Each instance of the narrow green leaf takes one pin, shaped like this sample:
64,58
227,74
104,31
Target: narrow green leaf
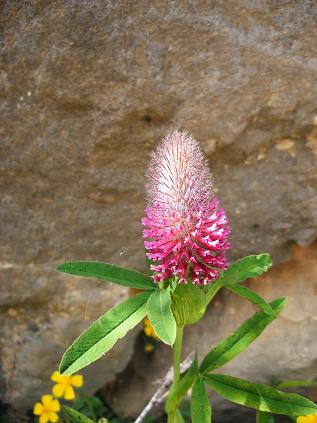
293,383
104,333
178,392
260,397
240,339
253,297
75,416
175,417
108,272
247,267
263,417
212,290
158,309
200,405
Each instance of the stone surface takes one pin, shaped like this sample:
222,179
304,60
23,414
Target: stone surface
287,349
41,313
88,89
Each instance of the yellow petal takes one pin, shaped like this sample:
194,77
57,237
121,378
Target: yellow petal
58,390
306,419
43,418
69,393
46,400
53,417
55,406
77,381
38,408
57,377
148,331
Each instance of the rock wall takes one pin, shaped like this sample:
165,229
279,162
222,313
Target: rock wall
89,88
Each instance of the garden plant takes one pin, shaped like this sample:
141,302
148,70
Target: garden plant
186,239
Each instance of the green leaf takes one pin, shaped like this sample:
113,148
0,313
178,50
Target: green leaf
212,290
178,392
188,304
158,309
260,397
247,267
293,383
240,339
104,333
108,272
175,417
200,406
253,297
75,416
263,417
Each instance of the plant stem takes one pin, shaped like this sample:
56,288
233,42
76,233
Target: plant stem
213,291
162,391
177,352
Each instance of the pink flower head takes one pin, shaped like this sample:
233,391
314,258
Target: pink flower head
186,230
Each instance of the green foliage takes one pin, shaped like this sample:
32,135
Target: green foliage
259,397
92,406
200,406
108,272
253,297
263,417
75,416
158,309
247,267
178,392
293,383
188,304
170,304
104,333
241,338
175,417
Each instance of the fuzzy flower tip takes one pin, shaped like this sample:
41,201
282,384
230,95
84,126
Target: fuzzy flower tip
186,230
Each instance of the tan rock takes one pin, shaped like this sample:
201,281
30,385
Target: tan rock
88,89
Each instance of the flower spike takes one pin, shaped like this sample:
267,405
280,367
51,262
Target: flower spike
186,230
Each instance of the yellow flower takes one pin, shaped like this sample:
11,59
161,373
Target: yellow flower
47,409
64,385
148,348
148,329
310,418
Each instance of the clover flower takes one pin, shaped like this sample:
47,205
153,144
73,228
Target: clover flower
64,385
186,230
47,409
310,418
